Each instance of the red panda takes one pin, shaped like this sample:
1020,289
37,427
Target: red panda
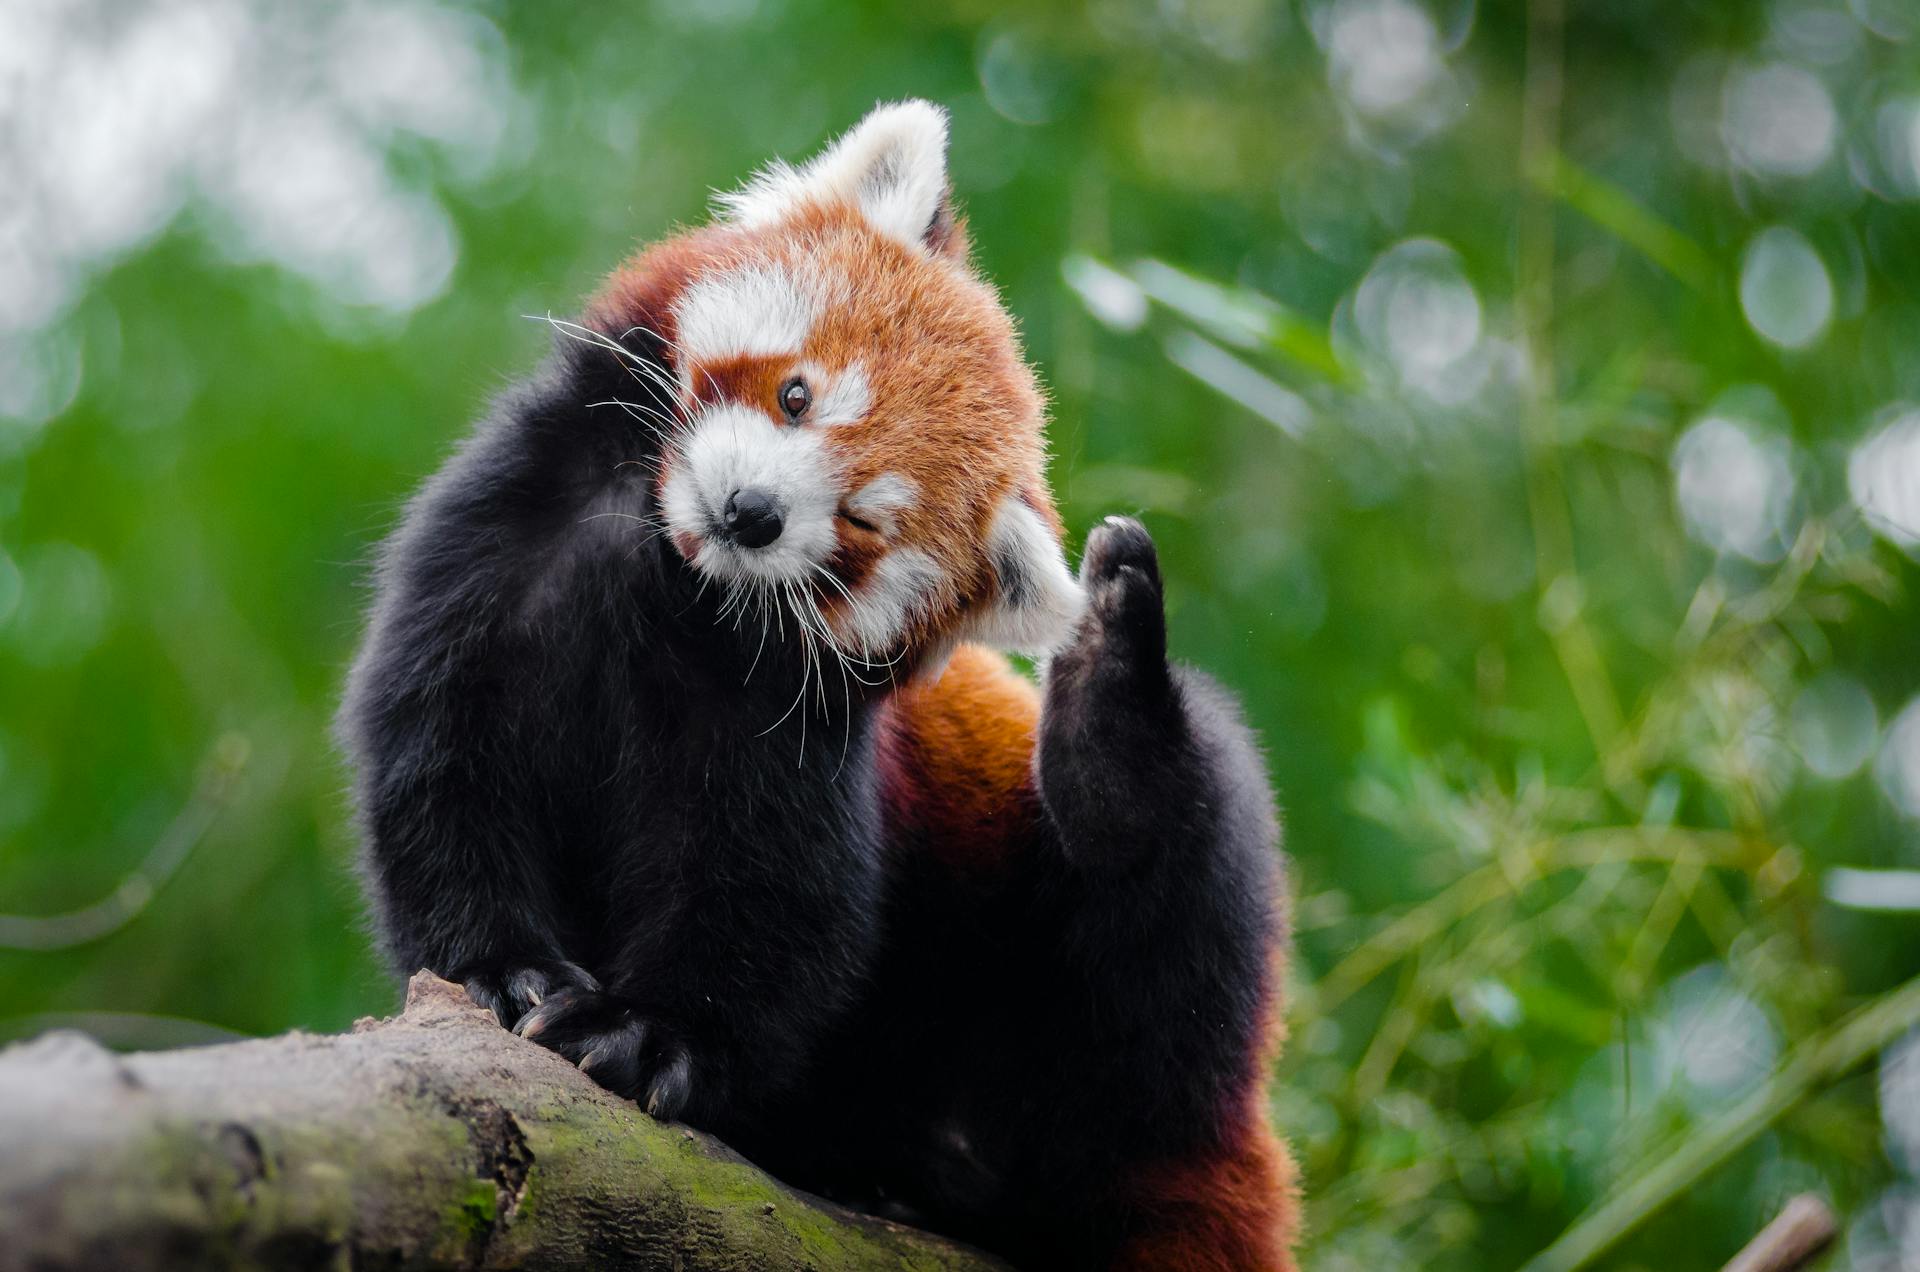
681,743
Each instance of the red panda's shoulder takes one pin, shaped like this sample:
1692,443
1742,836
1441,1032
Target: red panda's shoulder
956,759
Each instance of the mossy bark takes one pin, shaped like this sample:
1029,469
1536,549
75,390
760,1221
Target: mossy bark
432,1140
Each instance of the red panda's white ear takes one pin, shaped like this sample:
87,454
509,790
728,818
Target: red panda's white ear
1037,600
892,166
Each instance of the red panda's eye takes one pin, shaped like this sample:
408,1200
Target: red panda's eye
795,399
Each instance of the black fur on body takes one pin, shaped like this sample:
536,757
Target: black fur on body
575,798
571,802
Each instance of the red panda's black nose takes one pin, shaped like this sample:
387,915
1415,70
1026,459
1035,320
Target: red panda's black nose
752,518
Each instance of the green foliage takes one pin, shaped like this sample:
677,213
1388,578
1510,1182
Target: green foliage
1515,396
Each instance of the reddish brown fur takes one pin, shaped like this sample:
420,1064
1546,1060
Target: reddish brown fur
1233,1213
958,758
751,381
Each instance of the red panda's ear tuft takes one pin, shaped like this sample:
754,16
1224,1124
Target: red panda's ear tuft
892,167
1036,599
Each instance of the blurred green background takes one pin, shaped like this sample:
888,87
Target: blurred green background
1522,397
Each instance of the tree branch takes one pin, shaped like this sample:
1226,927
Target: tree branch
433,1140
1804,1228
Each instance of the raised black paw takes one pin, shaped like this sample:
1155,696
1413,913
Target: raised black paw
1120,572
1113,726
617,1047
510,988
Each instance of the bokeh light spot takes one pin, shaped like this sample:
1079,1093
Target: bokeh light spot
40,374
1711,1039
1779,119
64,602
1898,768
1735,485
1383,55
1819,31
1018,80
1416,310
1834,725
1895,20
1900,1101
1897,135
1883,476
1785,289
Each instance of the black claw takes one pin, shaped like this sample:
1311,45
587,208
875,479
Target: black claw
614,1059
614,1045
667,1094
529,985
535,1022
486,993
512,988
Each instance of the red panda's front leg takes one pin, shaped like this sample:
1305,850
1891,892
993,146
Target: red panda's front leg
1169,930
1112,720
1138,759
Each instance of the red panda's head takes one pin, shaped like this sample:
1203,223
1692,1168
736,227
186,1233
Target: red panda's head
855,431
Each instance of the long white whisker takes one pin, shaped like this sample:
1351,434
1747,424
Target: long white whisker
861,655
674,348
635,364
757,650
654,421
789,711
809,607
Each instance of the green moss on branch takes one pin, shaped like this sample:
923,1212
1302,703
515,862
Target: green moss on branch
433,1140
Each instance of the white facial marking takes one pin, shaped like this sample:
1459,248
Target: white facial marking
882,500
1039,600
843,398
892,166
729,448
754,311
880,609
